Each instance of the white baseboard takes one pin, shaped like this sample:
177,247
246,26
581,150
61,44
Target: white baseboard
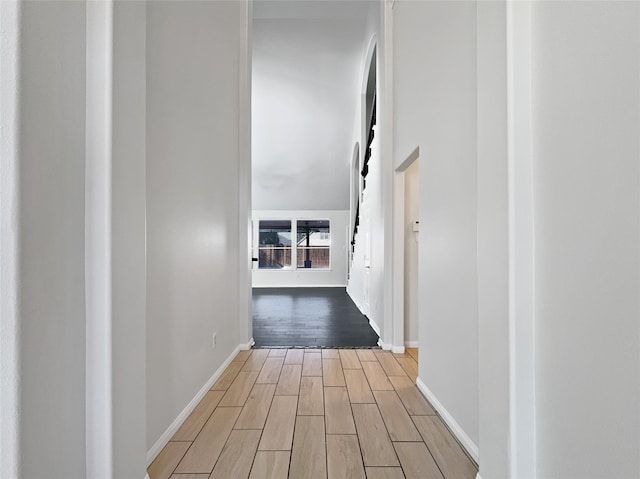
390,347
175,425
246,346
383,345
465,440
269,286
374,326
411,344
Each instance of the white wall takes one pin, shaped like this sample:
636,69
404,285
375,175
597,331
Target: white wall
411,252
435,109
305,83
74,106
49,219
79,222
115,239
586,124
335,276
194,55
495,433
128,240
365,286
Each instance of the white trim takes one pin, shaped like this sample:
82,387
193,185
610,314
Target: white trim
146,476
465,440
246,346
522,411
397,349
371,46
408,161
384,346
270,286
393,333
10,407
245,264
398,256
412,344
99,440
375,327
175,425
478,476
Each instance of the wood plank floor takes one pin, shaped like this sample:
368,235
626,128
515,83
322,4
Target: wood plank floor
332,414
312,317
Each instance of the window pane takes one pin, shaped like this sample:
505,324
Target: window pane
274,244
314,244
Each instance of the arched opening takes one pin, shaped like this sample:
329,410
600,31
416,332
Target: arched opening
359,281
369,103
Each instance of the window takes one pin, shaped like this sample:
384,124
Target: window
313,244
274,244
294,244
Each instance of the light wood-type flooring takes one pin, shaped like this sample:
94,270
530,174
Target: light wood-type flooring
331,413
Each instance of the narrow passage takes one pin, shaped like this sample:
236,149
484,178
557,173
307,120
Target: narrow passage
329,414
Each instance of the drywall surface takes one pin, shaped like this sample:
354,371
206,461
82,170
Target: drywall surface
51,225
493,243
435,109
586,107
128,242
411,251
115,270
192,199
305,86
336,275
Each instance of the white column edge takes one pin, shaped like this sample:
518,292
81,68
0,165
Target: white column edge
9,240
521,243
98,275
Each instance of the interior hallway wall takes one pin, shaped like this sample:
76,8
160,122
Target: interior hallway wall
193,243
49,220
66,106
435,109
496,430
586,124
128,240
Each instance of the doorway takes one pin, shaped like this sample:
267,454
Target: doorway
407,250
411,252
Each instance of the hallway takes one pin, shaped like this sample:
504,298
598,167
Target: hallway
309,317
278,413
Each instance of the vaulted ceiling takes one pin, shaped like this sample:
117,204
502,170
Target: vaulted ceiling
307,60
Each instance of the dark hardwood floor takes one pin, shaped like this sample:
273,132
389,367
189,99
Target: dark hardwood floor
309,317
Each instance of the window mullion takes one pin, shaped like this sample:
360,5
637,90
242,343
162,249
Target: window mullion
294,244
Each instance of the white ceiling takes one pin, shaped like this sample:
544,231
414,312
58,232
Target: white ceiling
306,78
